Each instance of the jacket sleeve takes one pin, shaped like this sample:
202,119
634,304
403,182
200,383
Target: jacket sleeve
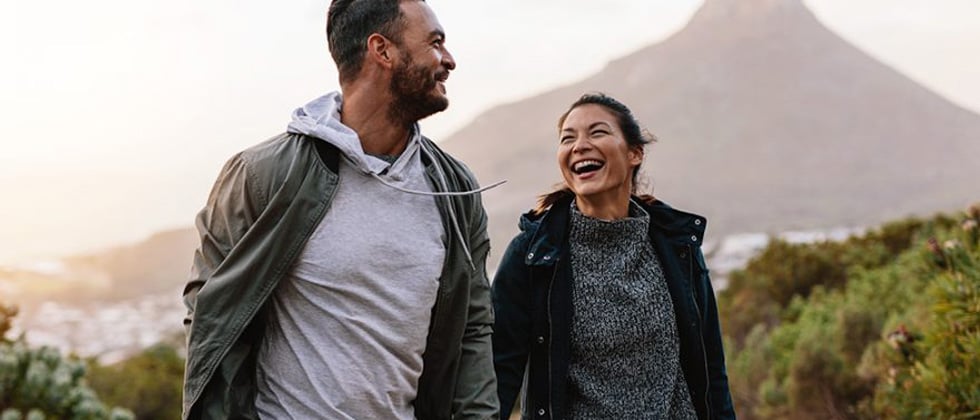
512,328
475,396
228,214
719,395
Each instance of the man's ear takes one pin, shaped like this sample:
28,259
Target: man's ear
380,50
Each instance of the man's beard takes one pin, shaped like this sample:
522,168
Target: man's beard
413,88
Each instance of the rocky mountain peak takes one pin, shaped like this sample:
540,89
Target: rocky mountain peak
717,11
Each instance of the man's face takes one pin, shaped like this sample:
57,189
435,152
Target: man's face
419,77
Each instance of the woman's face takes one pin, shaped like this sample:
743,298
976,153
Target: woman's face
595,160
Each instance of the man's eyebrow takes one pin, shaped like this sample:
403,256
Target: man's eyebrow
438,33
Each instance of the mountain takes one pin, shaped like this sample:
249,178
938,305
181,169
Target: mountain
133,290
160,263
767,121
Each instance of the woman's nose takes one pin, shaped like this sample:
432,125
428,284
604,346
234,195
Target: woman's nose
581,145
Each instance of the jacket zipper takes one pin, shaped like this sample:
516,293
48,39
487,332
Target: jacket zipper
551,284
704,354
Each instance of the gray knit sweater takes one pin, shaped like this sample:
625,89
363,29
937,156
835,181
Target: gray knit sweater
625,351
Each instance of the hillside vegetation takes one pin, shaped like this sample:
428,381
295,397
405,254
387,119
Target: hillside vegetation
38,383
885,325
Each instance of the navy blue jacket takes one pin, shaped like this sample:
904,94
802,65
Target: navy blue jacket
532,300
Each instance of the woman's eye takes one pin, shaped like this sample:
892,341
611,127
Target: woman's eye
598,133
566,139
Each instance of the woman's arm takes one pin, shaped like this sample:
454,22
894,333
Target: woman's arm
511,291
718,393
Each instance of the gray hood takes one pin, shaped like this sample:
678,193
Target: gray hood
321,119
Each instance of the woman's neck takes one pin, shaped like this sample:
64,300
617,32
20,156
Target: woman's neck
603,207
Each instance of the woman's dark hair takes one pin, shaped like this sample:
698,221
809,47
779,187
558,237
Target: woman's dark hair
351,22
634,135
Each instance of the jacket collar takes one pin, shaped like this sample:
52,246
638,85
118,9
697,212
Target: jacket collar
549,229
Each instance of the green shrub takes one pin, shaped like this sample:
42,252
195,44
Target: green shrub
153,377
885,325
940,377
40,383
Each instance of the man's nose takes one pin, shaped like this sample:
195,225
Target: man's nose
448,60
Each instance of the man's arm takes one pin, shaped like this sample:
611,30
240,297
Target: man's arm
224,220
476,386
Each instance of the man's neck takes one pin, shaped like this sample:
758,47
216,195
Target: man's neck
367,114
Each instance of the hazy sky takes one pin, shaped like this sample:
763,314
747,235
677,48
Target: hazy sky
115,115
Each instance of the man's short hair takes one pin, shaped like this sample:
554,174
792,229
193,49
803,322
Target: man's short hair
350,22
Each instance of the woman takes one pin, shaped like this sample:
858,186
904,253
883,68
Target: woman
604,296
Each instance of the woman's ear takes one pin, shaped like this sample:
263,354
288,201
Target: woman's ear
635,155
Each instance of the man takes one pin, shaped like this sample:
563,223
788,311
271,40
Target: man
341,272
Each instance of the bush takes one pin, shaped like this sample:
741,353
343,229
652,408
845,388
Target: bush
38,383
886,325
940,375
784,271
153,377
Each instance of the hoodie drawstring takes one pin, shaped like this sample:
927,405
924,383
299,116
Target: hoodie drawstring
438,193
321,119
443,184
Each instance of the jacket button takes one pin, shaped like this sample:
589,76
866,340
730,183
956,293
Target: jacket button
540,339
694,238
541,411
530,255
697,222
683,254
547,257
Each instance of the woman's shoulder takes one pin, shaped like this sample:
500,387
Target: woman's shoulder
672,220
531,220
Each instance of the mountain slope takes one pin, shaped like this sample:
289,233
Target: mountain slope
767,121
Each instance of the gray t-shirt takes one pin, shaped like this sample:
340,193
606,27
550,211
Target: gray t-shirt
347,327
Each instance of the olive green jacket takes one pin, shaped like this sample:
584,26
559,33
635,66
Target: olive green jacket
265,204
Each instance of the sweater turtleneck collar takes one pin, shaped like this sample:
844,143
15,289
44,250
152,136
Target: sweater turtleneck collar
597,231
